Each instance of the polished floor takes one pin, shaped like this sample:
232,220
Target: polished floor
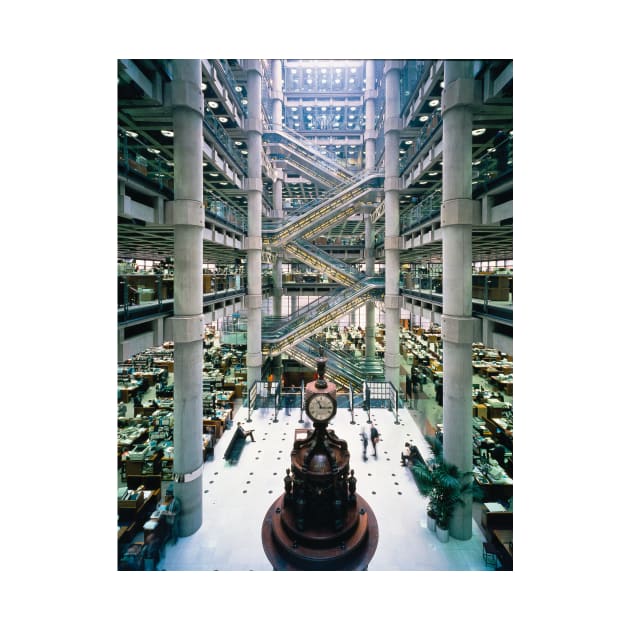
236,498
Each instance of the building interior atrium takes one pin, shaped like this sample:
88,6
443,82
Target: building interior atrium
272,212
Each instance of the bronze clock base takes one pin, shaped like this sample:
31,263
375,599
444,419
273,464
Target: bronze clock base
320,548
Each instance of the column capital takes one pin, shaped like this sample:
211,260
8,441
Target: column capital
457,329
392,183
393,242
252,242
253,125
370,134
393,301
253,183
186,94
392,123
368,94
461,93
393,64
460,212
185,212
253,65
187,328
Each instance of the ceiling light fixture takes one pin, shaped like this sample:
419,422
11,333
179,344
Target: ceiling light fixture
214,174
433,173
408,141
203,86
152,150
423,118
167,133
213,104
223,119
478,132
238,88
238,143
433,102
131,134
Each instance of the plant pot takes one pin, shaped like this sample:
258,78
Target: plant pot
442,534
430,523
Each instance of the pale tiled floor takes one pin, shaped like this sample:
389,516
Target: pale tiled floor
236,498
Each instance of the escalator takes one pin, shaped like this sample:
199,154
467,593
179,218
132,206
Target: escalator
289,145
320,214
317,258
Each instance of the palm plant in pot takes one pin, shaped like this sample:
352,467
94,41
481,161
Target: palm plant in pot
441,483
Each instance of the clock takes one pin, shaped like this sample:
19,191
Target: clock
321,407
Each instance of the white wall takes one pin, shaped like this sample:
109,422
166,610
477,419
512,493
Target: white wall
133,345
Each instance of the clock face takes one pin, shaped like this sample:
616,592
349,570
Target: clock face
321,407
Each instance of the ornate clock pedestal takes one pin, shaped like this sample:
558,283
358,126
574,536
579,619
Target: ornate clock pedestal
320,523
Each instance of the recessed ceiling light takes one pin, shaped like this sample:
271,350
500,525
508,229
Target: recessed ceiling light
478,132
433,102
223,119
204,163
351,81
167,132
511,131
131,134
441,84
433,173
203,86
338,70
152,150
238,143
244,101
353,70
424,118
324,70
338,109
309,81
402,151
408,141
244,151
323,108
214,174
213,104
308,71
293,70
238,88
476,163
423,181
171,163
491,150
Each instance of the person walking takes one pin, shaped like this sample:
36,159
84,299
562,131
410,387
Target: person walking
364,441
375,437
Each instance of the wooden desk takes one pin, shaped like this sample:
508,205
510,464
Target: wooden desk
504,538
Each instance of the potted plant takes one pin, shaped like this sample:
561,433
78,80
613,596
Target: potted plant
441,482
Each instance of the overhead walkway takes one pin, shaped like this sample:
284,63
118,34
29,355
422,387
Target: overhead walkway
292,146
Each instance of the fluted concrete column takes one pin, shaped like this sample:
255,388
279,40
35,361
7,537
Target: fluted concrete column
277,192
457,323
158,332
276,93
370,309
277,308
370,99
188,221
253,241
392,225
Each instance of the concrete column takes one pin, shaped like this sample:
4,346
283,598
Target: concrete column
392,226
488,331
253,242
276,93
277,193
370,309
457,323
370,99
158,332
277,309
188,221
